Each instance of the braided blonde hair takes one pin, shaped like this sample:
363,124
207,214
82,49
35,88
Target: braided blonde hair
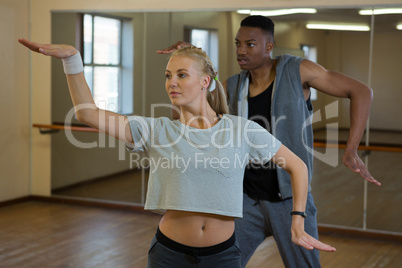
217,101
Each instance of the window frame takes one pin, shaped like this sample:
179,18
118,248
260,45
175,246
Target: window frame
313,91
93,65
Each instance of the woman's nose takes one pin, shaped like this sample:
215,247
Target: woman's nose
172,84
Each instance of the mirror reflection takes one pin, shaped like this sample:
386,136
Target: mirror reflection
127,75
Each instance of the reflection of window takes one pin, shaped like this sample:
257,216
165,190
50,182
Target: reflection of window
206,39
310,53
102,60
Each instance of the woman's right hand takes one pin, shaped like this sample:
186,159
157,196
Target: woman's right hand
57,51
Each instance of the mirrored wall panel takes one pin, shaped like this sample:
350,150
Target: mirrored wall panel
94,166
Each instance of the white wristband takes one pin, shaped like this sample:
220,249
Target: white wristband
73,64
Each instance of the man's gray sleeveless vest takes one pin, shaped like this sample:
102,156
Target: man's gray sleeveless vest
290,116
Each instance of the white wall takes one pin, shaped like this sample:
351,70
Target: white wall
386,110
14,101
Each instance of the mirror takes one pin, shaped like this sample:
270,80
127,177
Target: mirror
108,172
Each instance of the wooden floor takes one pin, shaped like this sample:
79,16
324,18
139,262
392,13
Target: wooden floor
339,193
123,187
40,234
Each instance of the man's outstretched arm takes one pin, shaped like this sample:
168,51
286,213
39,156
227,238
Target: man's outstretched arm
361,96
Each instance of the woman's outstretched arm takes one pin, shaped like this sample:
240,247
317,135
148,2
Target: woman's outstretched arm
86,111
298,172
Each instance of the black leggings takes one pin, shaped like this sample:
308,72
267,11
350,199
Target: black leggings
165,252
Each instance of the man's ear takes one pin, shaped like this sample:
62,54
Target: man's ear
269,46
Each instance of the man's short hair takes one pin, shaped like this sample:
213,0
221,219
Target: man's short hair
261,22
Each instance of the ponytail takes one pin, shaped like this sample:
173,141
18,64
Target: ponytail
217,99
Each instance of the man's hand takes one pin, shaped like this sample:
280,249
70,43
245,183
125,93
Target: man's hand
352,160
174,47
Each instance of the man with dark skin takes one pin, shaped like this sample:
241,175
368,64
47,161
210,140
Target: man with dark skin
281,87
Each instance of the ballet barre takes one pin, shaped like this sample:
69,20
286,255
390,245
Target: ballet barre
50,129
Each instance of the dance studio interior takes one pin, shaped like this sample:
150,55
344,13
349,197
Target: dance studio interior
73,197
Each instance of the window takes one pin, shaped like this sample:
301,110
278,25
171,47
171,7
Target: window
207,39
310,53
103,68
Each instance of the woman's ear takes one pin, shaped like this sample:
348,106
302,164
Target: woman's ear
205,81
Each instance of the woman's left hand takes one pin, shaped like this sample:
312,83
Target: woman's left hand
301,238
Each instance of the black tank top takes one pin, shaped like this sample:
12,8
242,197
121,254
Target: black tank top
261,181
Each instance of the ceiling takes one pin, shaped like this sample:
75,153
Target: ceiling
382,22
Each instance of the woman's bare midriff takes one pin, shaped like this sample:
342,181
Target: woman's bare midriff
196,229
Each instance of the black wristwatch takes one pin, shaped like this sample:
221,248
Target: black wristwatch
303,214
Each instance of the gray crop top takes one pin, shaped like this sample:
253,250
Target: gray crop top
199,170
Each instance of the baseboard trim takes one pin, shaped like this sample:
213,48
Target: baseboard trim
14,201
91,203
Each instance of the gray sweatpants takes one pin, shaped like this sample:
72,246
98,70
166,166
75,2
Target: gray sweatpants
263,219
